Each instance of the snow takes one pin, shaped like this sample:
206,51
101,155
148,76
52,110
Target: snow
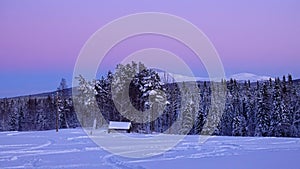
119,125
172,77
249,76
152,92
72,148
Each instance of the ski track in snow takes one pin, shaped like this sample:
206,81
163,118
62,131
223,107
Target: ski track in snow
115,163
72,148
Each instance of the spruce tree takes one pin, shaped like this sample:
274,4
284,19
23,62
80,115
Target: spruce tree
263,112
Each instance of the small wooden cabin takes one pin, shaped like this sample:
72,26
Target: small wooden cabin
119,126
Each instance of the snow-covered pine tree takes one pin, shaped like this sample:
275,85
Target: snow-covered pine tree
86,105
13,117
294,108
296,119
122,78
104,99
149,93
201,114
249,108
287,108
216,109
42,121
263,111
226,126
49,109
188,119
275,122
173,108
239,127
61,103
21,118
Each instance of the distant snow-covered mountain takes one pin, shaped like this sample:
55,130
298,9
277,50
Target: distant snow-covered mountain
172,77
249,76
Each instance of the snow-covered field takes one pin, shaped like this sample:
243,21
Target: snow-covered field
72,148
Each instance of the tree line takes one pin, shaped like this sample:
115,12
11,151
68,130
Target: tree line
38,112
135,93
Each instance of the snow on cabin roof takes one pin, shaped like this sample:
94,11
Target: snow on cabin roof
119,125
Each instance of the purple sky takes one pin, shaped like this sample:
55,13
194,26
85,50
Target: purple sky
40,40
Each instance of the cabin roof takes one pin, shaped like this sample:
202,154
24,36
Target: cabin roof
119,125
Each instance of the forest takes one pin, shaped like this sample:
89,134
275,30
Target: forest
137,94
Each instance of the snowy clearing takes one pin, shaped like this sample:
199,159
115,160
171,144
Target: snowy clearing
72,148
